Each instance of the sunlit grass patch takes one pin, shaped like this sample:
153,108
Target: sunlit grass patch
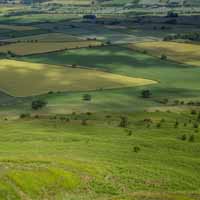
27,79
36,182
180,52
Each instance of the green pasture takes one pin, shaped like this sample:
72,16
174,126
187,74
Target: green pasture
60,158
175,81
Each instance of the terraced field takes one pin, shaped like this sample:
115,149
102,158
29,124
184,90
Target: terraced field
180,52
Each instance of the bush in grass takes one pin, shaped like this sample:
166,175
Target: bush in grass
158,125
123,122
84,122
176,102
198,117
162,121
196,125
191,138
176,124
184,137
146,94
130,132
136,149
87,97
36,116
38,104
163,57
24,115
193,112
88,113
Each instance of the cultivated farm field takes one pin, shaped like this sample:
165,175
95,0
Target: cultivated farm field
19,79
28,48
47,37
180,52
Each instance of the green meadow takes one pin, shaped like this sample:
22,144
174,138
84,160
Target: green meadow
175,81
60,157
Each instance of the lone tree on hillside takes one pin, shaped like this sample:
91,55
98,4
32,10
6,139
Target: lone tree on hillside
38,104
146,94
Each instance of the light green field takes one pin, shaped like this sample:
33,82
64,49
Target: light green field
28,48
28,79
50,158
180,52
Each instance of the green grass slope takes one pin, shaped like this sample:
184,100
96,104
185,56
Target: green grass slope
60,158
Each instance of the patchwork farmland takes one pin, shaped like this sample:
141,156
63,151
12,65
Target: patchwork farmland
99,100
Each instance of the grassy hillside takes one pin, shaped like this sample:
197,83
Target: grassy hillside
60,158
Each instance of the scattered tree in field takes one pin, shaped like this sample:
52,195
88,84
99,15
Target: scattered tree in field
123,122
129,132
87,97
198,117
136,149
24,115
176,124
184,137
146,94
84,122
158,125
191,138
38,104
176,102
193,112
163,57
196,125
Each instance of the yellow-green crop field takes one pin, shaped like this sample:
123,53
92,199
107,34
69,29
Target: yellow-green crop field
47,37
28,48
180,52
17,27
19,78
